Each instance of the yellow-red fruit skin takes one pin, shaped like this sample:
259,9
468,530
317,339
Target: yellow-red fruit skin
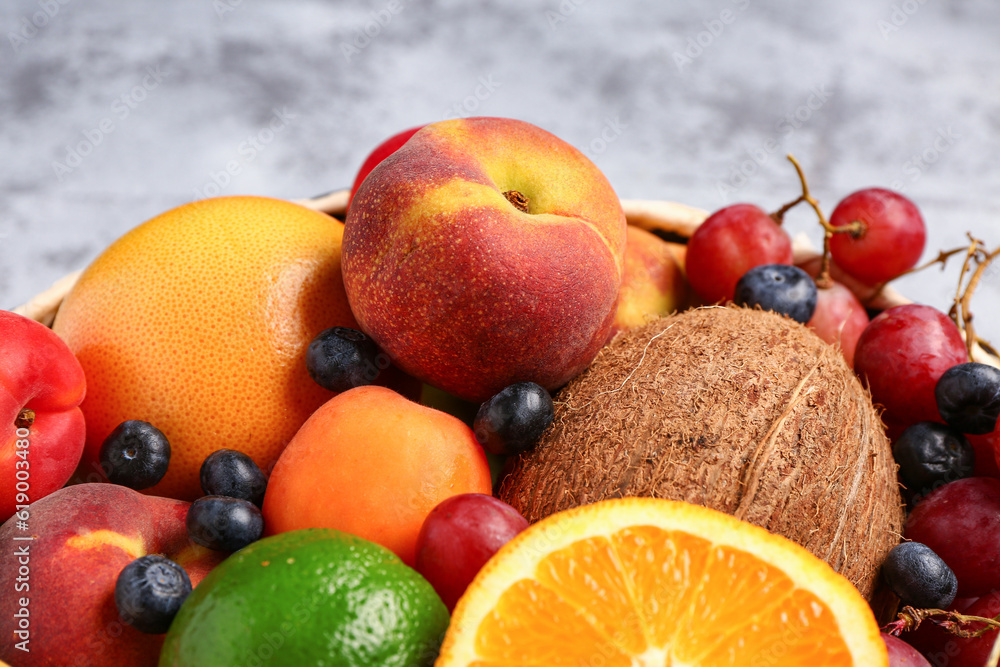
461,288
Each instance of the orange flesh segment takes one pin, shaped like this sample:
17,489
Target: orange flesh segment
532,625
645,596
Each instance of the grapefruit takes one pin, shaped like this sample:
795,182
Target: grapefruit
198,321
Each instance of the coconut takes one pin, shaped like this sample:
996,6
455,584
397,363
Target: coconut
739,410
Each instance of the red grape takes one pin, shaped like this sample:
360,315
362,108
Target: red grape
459,536
839,319
729,243
960,522
901,354
961,604
985,447
902,654
381,152
891,242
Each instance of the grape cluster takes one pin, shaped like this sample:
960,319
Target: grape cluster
874,235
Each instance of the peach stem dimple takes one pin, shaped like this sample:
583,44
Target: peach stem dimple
25,418
519,201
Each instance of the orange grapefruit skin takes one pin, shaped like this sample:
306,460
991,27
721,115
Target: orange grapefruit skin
198,321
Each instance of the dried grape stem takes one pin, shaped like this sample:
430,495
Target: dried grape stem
963,303
855,228
779,215
911,618
942,259
970,253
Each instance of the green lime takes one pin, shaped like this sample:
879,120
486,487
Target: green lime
314,597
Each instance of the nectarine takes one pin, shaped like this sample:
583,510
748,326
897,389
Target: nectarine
485,252
58,576
42,431
653,281
379,153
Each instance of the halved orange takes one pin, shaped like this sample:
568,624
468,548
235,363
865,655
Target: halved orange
636,582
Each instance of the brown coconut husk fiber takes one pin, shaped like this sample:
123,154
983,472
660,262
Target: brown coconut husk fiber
742,411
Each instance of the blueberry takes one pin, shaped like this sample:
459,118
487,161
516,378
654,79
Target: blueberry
514,419
136,455
223,523
149,591
968,397
227,472
339,359
919,577
930,455
785,289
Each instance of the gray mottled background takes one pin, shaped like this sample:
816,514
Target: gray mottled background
112,112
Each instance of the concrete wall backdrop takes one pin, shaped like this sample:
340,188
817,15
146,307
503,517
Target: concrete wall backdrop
112,112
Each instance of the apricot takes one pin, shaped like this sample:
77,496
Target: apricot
373,463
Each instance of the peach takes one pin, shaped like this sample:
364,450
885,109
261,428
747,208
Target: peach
653,281
59,574
483,252
380,152
373,463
